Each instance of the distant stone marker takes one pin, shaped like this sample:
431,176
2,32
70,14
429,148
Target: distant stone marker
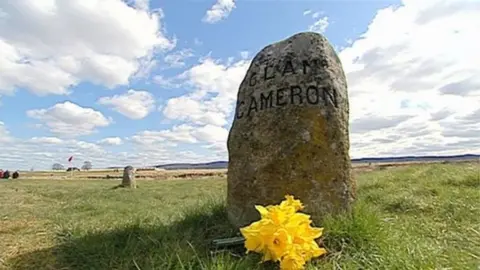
290,132
128,179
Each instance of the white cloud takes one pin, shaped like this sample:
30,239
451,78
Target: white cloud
181,133
43,152
190,109
215,91
213,137
211,134
69,119
46,140
398,83
320,25
140,4
412,82
177,59
111,141
4,133
205,110
48,46
167,82
219,11
244,54
316,15
133,104
146,65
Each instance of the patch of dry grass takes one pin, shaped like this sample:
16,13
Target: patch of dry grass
112,174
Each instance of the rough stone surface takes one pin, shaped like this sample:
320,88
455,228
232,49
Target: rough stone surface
290,132
129,177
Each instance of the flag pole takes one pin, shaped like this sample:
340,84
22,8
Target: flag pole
70,166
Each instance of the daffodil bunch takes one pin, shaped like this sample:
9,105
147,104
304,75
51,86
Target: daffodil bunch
282,234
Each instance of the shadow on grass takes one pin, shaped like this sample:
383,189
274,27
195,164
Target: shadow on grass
185,244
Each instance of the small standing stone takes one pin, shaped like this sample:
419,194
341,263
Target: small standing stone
290,131
128,179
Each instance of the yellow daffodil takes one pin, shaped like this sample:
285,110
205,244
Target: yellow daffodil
253,239
264,214
278,215
283,235
279,244
310,250
307,232
298,220
292,262
257,235
291,202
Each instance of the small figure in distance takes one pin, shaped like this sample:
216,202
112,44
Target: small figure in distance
15,175
6,174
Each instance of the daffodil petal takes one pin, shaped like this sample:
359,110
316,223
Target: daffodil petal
262,210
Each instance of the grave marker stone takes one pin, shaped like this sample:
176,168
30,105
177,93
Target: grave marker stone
128,179
290,133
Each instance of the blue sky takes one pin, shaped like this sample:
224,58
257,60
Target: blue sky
149,82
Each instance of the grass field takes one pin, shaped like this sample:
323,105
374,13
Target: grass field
415,217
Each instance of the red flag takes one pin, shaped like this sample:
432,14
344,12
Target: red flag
70,158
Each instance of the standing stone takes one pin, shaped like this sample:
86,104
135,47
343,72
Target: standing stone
128,179
290,132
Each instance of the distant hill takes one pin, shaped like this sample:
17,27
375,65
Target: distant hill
224,164
198,166
416,158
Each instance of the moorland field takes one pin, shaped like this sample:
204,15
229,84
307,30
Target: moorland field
415,216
